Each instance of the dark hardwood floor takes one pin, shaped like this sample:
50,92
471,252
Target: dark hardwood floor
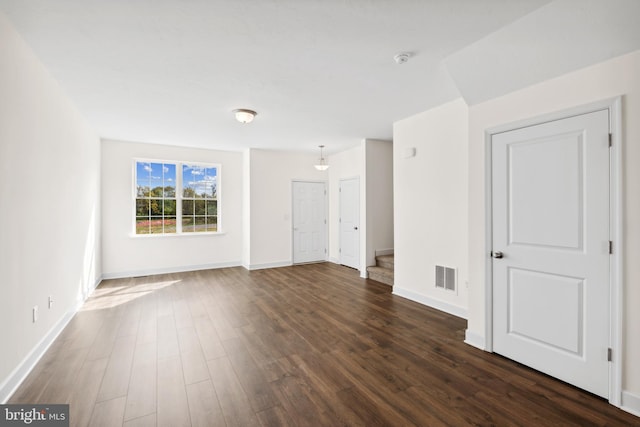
309,345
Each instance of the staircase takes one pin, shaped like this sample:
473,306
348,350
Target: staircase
383,270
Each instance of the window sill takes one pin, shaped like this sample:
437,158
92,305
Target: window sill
176,235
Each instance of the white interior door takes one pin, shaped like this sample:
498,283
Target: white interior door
350,222
309,221
550,212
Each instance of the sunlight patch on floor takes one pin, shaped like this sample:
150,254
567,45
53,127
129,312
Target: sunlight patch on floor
113,296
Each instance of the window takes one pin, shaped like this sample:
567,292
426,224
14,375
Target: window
155,198
175,198
199,198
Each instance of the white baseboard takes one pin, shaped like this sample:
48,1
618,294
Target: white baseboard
252,267
334,260
84,293
631,403
474,340
95,285
13,381
153,271
431,302
380,252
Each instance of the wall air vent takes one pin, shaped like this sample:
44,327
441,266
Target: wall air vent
446,278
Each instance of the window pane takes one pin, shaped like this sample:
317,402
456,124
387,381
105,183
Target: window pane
169,179
187,207
199,181
142,226
142,207
199,207
212,223
190,176
187,224
143,172
156,179
157,191
200,224
169,207
156,225
169,224
210,183
143,191
188,190
156,207
212,207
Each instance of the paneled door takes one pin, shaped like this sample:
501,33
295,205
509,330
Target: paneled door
309,222
350,222
550,225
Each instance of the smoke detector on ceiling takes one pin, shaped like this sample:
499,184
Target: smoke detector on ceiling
402,57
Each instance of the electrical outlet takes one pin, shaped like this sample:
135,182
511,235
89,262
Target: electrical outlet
35,313
50,302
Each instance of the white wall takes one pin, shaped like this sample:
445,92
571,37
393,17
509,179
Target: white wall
346,164
620,76
50,216
270,204
125,254
430,204
372,163
379,197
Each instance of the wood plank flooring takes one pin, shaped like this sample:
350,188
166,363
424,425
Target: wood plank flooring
309,345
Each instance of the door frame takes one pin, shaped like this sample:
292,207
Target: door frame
614,106
326,216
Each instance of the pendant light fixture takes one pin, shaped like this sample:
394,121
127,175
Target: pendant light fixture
322,164
244,116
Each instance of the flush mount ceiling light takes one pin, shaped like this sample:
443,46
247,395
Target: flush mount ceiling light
322,164
244,116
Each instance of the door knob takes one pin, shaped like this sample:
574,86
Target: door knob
497,254
355,228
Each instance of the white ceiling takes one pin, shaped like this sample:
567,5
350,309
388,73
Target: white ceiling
317,72
557,38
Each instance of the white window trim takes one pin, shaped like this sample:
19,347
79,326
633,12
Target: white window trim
179,233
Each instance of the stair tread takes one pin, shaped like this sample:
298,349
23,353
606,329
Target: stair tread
380,274
379,269
385,261
383,270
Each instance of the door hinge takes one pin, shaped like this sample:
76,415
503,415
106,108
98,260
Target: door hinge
610,140
609,355
325,221
325,250
610,247
325,192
